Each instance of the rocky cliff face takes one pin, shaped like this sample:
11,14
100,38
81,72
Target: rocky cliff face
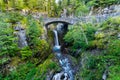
106,10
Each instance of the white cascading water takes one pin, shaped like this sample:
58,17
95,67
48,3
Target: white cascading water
67,72
56,38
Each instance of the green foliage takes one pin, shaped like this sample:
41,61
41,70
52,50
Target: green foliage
48,65
75,37
14,17
104,3
19,4
111,24
100,3
7,40
38,46
100,44
92,67
28,71
114,48
26,53
2,5
31,4
91,63
76,7
114,73
100,40
39,5
81,10
23,72
80,35
107,43
37,51
100,35
4,60
107,33
34,31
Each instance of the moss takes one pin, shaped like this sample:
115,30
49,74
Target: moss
113,47
48,65
99,35
114,73
100,44
111,24
51,37
15,61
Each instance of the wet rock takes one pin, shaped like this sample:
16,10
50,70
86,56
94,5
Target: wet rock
60,27
61,76
117,8
105,10
58,76
105,74
118,36
50,75
16,28
22,38
112,7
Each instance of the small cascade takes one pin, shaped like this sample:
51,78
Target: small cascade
67,72
56,48
56,38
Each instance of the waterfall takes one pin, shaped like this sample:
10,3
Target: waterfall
56,38
67,71
56,48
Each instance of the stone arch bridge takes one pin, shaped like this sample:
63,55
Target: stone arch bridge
70,21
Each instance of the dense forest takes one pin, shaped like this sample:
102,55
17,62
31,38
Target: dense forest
86,50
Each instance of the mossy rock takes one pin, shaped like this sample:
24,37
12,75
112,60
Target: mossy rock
99,35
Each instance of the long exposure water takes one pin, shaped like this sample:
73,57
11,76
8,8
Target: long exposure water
67,72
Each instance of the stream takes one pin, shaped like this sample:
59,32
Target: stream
67,71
